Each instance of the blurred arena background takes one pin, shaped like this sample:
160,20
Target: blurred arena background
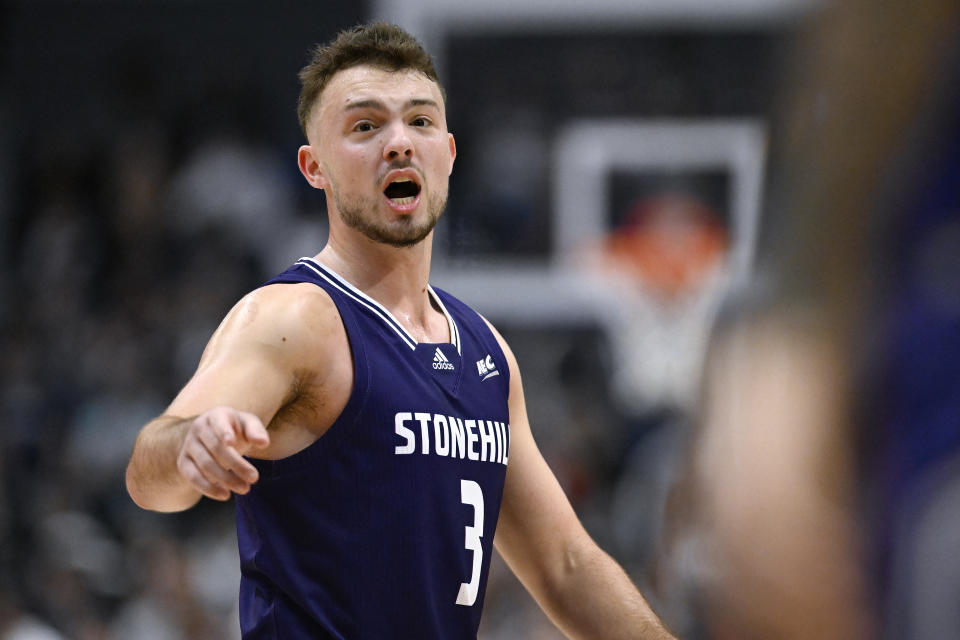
765,191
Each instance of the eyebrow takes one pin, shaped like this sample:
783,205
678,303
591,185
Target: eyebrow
373,103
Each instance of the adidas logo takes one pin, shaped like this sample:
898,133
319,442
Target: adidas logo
440,361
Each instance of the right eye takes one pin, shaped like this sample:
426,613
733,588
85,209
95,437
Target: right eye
363,127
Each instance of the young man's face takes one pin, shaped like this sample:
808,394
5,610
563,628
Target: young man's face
382,152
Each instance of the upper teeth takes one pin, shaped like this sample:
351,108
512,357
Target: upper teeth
398,180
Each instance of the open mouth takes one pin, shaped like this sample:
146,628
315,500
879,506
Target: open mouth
402,191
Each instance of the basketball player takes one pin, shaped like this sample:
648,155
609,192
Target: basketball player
371,427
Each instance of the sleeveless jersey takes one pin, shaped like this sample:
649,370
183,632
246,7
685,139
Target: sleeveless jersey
383,527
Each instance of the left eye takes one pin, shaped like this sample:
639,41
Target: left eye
420,122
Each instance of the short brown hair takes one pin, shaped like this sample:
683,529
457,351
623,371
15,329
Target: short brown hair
378,44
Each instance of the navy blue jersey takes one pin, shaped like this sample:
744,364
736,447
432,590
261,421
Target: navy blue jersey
383,528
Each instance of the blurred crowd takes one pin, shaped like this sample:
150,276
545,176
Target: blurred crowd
135,218
806,485
125,254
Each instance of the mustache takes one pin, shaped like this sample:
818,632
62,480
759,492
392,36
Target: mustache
399,163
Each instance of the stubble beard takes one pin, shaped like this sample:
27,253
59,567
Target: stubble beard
358,213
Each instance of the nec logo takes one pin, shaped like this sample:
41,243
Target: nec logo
486,368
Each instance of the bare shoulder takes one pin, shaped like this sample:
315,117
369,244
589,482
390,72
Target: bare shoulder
286,307
298,320
281,353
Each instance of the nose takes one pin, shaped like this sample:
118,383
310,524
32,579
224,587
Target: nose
398,143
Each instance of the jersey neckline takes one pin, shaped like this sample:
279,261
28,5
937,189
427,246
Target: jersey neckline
338,281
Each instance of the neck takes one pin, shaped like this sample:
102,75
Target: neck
396,277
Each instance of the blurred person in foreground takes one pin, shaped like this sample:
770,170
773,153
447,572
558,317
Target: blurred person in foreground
830,375
373,428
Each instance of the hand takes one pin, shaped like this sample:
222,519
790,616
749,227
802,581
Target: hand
211,456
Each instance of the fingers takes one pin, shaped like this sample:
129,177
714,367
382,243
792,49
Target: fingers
196,466
253,430
211,456
218,446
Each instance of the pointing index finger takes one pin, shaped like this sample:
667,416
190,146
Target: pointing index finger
252,430
229,458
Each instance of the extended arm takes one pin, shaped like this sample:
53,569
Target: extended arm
252,367
581,588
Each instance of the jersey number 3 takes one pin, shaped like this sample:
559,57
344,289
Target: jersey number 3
471,494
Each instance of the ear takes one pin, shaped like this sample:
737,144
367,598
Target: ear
453,152
310,167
